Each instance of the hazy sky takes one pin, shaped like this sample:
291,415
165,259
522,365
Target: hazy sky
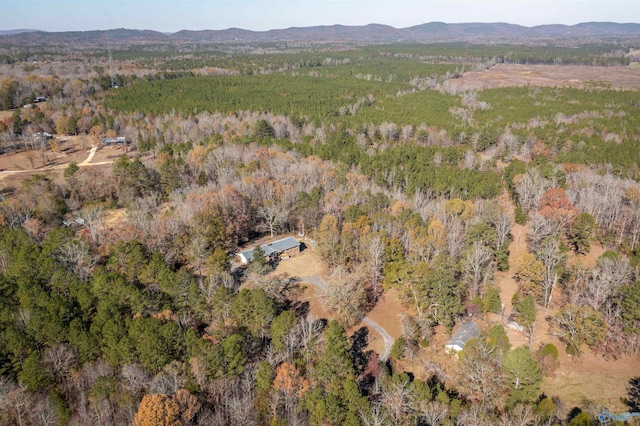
175,15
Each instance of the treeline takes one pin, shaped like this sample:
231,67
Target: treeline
584,54
564,124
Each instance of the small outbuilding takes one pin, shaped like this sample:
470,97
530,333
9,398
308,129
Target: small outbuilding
282,249
466,331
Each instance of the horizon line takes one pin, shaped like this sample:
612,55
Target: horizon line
23,30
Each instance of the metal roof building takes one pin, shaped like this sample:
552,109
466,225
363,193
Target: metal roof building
270,249
466,331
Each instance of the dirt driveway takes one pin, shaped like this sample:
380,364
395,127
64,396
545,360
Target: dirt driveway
309,268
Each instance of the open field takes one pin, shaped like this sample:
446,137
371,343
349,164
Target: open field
593,378
513,75
14,167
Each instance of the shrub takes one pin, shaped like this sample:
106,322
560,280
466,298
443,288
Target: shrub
548,349
548,359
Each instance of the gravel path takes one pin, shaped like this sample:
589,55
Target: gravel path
90,157
320,284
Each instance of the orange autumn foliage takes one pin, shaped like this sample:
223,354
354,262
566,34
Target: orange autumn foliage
556,205
289,381
157,410
167,410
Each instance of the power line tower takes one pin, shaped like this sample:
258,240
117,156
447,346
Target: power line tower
114,85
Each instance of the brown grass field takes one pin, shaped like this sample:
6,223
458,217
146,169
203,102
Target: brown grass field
512,75
308,262
16,166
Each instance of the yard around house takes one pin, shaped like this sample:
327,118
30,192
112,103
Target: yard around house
387,312
588,377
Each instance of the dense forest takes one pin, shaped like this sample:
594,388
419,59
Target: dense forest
121,300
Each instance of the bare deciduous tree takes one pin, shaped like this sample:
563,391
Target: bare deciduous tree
478,267
274,217
396,400
541,228
77,257
375,417
455,233
345,295
60,358
134,377
551,257
500,220
433,412
482,372
469,159
93,220
521,415
43,412
208,285
607,277
530,188
374,249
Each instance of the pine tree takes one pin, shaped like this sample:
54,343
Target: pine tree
523,375
334,365
630,304
526,315
581,233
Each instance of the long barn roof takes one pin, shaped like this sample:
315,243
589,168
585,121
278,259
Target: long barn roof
275,247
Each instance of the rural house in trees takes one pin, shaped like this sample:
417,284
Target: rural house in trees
283,249
466,331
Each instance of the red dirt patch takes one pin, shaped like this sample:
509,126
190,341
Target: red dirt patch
4,114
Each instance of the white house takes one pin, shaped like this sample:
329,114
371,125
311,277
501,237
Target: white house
466,331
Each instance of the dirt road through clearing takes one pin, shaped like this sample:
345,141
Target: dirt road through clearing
321,285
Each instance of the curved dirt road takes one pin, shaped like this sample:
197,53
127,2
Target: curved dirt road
90,157
319,283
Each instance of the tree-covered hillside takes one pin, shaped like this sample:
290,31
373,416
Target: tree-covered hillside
122,300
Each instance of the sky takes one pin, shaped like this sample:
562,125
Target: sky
260,15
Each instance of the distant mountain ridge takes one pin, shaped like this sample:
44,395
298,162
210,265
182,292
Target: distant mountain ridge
428,32
14,32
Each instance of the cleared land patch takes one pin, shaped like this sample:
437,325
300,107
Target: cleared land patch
513,75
